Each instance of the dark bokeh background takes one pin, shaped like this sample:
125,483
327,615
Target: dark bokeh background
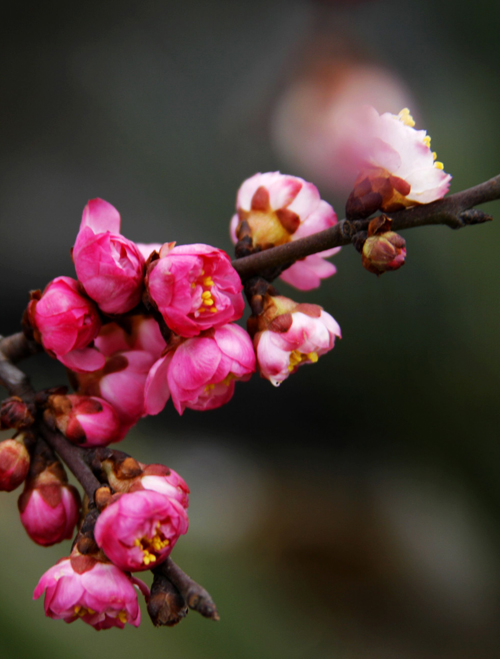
353,512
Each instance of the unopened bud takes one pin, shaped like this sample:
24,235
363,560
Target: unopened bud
166,606
14,463
14,413
85,420
384,250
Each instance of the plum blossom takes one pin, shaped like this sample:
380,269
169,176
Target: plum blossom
14,463
289,335
273,209
398,168
86,420
102,595
109,266
65,322
49,507
200,373
140,528
194,287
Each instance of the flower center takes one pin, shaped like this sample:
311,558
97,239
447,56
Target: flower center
226,381
82,611
267,228
207,298
297,358
152,546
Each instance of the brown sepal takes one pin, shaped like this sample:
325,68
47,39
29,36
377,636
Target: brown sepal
281,323
288,219
260,199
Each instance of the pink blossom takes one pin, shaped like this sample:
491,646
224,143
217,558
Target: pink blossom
146,249
273,209
200,373
49,507
298,335
139,529
194,288
86,420
130,353
14,463
65,322
102,595
164,480
109,266
398,167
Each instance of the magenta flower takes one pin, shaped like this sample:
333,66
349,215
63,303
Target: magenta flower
49,507
138,530
398,168
200,373
86,420
14,463
102,595
194,287
109,266
273,209
294,335
65,322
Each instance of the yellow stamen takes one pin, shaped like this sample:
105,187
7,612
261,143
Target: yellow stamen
427,141
150,545
313,356
208,303
208,281
206,295
438,165
434,155
209,387
212,309
405,117
122,616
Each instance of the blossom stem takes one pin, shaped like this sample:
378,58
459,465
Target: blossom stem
453,211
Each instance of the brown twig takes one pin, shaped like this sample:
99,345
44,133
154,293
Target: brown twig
453,211
196,597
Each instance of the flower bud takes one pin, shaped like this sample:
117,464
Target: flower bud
14,463
49,507
156,477
383,250
14,413
166,606
138,530
109,266
194,287
86,420
288,335
65,322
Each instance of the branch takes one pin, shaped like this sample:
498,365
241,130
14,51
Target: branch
453,211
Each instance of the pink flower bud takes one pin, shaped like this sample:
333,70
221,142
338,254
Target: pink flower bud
194,287
399,169
86,420
156,477
14,463
101,595
383,250
290,335
200,373
65,322
49,507
109,266
138,530
273,209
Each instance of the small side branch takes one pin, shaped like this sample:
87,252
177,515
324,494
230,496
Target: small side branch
196,597
453,211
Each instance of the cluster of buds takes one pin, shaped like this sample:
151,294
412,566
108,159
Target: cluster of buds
145,323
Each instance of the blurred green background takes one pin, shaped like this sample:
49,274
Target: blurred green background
354,512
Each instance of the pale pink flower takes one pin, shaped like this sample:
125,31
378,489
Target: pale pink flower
273,209
138,530
398,168
65,322
102,596
298,335
49,508
194,287
14,463
200,373
109,266
86,420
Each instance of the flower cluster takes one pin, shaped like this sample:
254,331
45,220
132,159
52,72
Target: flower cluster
145,323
